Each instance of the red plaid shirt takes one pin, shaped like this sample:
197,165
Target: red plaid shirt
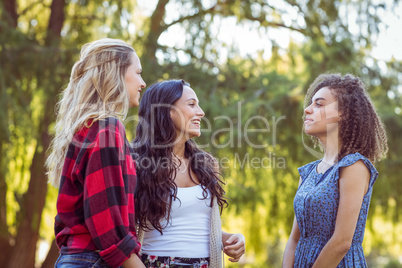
95,206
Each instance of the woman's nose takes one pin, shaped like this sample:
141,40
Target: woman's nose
308,110
200,112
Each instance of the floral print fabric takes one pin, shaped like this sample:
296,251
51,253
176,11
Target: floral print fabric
173,262
316,206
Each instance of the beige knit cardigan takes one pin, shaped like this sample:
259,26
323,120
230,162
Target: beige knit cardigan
216,246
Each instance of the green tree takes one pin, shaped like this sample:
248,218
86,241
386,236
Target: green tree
40,41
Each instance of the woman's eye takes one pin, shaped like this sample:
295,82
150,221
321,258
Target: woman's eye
318,105
192,104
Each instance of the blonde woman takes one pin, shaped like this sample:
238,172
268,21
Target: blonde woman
91,162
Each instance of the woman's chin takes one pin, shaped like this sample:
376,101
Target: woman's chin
309,132
194,134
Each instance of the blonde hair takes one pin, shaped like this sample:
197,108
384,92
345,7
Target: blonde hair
96,91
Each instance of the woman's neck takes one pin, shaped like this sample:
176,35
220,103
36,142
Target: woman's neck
179,149
331,150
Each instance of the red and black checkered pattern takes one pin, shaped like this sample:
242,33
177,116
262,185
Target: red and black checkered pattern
95,206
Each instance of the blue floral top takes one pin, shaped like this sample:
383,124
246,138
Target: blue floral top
316,206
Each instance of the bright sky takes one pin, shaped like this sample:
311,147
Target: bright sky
389,43
249,39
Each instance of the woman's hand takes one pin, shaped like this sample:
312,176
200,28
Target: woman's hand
234,246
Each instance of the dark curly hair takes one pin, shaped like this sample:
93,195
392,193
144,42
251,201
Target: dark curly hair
153,151
360,129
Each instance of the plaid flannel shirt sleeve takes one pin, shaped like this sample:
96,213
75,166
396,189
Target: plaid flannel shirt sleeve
109,195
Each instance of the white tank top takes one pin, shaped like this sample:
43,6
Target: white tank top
188,233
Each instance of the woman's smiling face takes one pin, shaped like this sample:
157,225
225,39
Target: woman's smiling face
186,114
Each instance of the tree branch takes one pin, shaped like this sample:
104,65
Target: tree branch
29,7
281,25
274,24
251,18
157,16
182,19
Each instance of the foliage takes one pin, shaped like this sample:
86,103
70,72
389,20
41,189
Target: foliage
248,100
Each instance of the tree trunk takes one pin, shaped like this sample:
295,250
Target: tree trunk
56,22
4,140
23,254
10,15
156,29
4,234
51,257
3,191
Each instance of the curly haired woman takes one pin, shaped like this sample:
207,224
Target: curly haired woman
179,191
91,160
332,201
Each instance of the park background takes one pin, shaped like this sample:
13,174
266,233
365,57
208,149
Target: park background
250,62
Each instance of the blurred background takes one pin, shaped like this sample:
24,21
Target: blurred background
250,62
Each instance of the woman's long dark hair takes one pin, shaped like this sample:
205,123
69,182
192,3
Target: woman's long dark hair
156,170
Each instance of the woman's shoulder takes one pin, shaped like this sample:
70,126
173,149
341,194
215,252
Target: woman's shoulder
305,170
358,163
104,130
351,159
108,124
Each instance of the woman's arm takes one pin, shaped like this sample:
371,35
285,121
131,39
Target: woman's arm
353,184
108,190
290,249
133,262
234,245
